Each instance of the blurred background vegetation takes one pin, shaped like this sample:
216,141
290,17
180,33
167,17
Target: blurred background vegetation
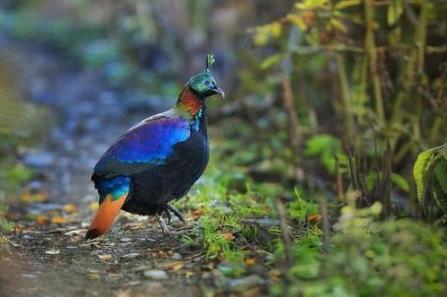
335,126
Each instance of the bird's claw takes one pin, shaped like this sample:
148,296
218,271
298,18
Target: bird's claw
163,226
175,212
169,211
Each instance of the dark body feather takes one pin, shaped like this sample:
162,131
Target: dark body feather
152,189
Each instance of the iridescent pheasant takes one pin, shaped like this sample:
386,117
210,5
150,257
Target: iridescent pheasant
157,160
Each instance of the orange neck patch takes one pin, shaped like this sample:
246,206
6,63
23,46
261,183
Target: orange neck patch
189,101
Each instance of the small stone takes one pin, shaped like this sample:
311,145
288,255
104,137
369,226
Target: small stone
75,232
125,239
131,255
28,275
155,289
244,283
52,252
156,274
38,160
177,256
105,257
142,268
35,186
37,208
134,283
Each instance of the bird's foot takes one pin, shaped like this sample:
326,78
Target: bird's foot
163,226
170,209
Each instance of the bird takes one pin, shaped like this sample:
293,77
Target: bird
157,160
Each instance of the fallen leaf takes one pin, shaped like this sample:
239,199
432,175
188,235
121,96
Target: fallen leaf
105,257
70,207
93,276
18,228
58,220
42,219
160,253
314,218
173,266
197,213
228,235
275,275
28,197
125,293
188,274
250,261
52,252
93,206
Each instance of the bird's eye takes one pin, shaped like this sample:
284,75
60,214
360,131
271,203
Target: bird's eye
207,82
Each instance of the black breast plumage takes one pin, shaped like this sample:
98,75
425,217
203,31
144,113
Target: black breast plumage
152,189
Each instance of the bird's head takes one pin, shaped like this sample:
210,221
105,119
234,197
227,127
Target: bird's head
204,84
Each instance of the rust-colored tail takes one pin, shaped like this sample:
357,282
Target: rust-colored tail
105,216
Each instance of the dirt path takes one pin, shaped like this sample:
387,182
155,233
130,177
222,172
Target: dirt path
48,256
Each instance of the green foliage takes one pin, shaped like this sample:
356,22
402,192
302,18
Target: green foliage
5,225
351,48
299,209
217,238
326,148
307,251
17,175
420,171
430,174
401,182
368,257
228,213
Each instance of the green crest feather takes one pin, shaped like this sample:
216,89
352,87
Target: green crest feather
209,61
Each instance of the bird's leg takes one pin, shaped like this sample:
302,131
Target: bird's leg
163,226
168,214
176,213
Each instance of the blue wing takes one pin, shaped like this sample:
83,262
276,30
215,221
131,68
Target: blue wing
147,144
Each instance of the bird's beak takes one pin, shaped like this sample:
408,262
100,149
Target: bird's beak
219,91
